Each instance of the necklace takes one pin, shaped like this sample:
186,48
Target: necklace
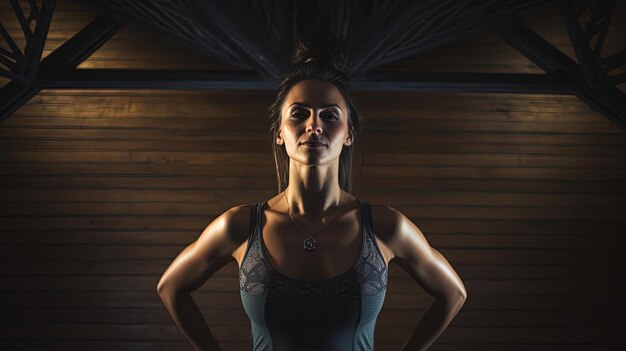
309,242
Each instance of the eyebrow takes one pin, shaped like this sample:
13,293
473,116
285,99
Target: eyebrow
307,105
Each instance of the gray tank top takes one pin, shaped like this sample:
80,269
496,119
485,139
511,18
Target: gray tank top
335,314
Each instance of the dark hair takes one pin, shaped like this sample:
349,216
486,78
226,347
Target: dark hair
328,61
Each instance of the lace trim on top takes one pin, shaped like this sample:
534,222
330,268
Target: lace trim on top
367,277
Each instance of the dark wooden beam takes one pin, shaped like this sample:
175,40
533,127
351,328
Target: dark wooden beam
582,37
614,61
538,50
24,70
417,26
381,81
62,60
605,99
247,35
78,48
253,35
156,79
466,82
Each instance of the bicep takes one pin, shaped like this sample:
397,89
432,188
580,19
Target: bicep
195,264
425,264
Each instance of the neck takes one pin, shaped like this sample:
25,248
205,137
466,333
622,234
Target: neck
313,191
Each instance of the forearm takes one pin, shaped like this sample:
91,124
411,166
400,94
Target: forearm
434,322
190,321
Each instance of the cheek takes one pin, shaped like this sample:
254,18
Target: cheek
340,133
288,133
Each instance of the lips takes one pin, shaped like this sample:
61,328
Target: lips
313,143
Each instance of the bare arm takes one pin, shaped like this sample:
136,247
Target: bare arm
429,269
194,266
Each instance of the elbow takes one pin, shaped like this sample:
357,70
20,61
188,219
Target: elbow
167,290
161,287
457,298
461,298
454,302
463,295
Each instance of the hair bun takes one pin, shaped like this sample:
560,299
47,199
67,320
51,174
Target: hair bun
321,45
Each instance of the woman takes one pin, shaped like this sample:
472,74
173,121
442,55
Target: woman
312,265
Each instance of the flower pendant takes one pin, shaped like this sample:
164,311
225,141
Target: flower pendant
309,244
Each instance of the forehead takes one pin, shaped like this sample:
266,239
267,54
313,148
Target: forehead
315,93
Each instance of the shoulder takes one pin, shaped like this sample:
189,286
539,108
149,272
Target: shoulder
238,213
237,221
398,233
384,224
228,230
385,220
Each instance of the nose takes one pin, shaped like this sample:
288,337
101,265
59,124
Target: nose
313,124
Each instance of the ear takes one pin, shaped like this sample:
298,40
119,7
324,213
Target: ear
279,138
349,139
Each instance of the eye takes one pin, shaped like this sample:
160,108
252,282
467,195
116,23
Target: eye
295,114
298,114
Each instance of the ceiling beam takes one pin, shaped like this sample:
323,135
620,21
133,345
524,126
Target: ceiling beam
564,75
373,81
23,67
245,34
601,95
61,61
255,35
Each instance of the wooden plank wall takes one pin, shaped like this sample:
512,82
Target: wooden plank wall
101,189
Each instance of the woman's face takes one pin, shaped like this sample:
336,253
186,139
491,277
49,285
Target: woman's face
314,109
